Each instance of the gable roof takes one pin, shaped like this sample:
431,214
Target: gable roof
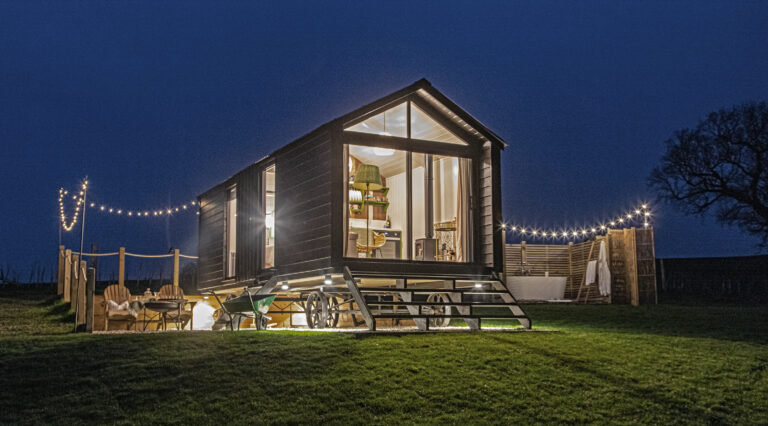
424,90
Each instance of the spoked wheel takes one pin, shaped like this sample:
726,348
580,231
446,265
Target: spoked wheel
439,309
333,312
316,310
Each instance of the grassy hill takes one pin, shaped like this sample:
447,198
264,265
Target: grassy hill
603,364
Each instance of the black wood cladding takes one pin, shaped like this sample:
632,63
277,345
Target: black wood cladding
211,237
303,205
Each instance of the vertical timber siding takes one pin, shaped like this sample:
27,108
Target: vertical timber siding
303,204
250,222
210,246
486,207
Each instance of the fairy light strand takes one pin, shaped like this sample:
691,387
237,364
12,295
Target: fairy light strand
69,224
165,211
641,215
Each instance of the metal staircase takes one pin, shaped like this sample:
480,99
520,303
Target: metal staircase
433,301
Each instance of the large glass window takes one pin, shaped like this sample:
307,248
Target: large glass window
440,188
404,204
377,214
231,232
269,217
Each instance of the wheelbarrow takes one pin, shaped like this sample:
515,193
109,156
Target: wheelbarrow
248,306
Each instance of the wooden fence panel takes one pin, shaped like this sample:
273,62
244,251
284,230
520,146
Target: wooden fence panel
631,261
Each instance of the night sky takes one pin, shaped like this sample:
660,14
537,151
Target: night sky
158,101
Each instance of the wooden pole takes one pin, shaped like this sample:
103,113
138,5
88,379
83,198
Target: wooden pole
121,267
73,280
67,274
570,266
80,306
175,267
504,255
60,272
630,250
90,288
584,277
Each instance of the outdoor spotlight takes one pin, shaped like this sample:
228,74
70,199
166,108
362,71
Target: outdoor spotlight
478,285
328,280
284,286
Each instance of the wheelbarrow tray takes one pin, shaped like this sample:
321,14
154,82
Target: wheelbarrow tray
242,304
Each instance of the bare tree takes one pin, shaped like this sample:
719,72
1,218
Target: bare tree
721,166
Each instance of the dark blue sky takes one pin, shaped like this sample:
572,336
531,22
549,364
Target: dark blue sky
157,101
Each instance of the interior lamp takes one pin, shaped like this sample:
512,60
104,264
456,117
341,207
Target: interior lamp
367,178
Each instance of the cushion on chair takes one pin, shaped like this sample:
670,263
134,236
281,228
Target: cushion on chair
121,311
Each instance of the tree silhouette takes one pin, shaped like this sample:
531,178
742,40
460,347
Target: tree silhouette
721,166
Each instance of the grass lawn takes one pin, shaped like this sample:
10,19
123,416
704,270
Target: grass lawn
604,364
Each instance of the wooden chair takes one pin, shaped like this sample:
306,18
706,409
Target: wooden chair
169,291
118,294
378,242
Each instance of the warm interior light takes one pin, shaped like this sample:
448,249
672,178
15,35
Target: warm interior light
383,152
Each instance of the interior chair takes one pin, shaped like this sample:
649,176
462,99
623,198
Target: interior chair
117,299
169,291
378,242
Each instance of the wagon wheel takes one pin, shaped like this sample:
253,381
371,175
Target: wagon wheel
316,310
439,309
333,312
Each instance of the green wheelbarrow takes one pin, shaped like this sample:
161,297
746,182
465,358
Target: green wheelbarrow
248,306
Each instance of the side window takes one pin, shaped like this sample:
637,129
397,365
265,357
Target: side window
269,217
230,238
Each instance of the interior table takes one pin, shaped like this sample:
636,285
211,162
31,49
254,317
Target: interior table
163,306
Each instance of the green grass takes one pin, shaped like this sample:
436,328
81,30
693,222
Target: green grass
604,364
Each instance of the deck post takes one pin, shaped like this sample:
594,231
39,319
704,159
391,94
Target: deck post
67,274
60,272
90,288
121,267
73,281
80,295
569,284
176,267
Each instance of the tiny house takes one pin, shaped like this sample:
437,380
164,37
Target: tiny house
390,212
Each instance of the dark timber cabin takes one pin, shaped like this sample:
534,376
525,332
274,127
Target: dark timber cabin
388,214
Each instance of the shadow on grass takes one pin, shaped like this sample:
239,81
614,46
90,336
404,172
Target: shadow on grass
633,390
733,323
171,378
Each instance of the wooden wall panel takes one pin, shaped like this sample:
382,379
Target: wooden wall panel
250,222
211,237
303,204
486,207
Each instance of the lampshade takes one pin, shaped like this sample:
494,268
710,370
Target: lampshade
368,178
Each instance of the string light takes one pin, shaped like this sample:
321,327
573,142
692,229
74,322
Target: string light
69,224
639,215
79,203
166,211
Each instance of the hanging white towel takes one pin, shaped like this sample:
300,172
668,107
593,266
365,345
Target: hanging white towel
591,271
605,271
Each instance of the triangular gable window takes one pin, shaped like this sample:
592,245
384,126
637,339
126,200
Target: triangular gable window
393,122
426,128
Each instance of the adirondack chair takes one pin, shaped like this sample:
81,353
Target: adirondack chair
118,294
169,291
